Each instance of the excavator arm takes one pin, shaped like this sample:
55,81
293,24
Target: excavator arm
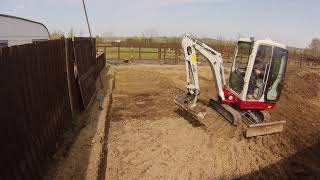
190,46
189,101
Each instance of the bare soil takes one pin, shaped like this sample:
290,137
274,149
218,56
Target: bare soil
150,138
79,156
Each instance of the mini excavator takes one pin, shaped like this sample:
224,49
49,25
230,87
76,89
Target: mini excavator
254,86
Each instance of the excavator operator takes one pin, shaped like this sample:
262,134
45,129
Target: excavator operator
258,72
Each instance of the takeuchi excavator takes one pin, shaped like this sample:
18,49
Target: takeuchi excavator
254,86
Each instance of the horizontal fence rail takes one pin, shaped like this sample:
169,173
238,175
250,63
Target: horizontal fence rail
39,92
173,52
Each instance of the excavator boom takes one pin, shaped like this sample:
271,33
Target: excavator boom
189,102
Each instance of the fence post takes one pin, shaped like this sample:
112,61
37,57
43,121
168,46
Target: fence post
164,53
176,56
68,74
300,60
131,56
140,53
159,53
105,50
118,52
104,59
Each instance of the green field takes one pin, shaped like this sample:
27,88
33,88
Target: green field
146,54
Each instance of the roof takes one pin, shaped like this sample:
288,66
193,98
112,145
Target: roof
15,17
265,41
273,43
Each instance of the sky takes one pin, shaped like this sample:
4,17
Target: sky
292,22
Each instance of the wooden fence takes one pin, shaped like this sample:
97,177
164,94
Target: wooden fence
36,107
304,60
85,58
101,63
173,52
161,51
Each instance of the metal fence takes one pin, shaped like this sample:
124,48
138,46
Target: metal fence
35,106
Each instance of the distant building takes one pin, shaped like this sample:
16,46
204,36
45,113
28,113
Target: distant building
17,31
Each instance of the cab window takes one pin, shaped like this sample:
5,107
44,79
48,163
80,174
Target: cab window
259,72
239,67
276,75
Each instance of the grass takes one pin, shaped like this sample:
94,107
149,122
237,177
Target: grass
146,54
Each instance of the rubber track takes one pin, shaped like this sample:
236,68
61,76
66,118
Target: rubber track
230,114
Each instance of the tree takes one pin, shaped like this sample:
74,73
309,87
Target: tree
71,33
107,36
56,34
314,47
99,39
315,43
150,33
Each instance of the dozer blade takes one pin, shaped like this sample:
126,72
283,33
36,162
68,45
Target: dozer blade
264,128
262,124
196,111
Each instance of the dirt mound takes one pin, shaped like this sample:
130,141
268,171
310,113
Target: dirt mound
150,138
304,83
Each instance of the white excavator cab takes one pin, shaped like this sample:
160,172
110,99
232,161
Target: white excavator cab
258,70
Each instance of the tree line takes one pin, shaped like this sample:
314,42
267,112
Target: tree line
152,36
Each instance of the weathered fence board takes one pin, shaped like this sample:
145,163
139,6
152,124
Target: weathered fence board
85,55
101,63
35,103
35,108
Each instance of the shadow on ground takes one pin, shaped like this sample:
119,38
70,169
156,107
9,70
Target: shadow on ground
304,164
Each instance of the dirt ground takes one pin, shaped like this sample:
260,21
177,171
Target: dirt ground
79,156
150,138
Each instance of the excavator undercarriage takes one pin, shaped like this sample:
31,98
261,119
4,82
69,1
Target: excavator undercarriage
258,122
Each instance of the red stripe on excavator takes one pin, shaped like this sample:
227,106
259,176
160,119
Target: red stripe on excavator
245,104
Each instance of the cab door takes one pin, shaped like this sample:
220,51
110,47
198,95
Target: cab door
239,66
276,74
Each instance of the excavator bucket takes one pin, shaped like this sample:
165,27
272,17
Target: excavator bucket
259,129
197,111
